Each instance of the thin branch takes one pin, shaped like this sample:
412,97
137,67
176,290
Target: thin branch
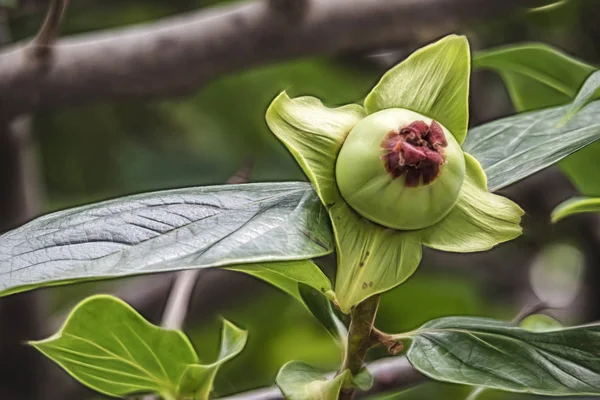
177,55
181,293
40,48
179,299
49,30
530,309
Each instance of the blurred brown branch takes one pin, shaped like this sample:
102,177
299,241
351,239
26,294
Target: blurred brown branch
176,55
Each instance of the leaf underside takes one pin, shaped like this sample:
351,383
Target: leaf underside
167,231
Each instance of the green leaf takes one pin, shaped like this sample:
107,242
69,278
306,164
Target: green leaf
540,323
106,345
513,148
321,309
371,259
304,281
588,93
479,221
536,75
197,380
433,81
494,354
539,76
300,381
576,205
288,275
166,231
583,169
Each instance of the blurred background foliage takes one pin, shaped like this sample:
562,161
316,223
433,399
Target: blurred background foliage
100,151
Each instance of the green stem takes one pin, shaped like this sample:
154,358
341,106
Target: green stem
475,393
359,340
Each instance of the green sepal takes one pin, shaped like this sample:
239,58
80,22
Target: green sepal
433,81
479,221
575,205
197,380
314,134
371,258
300,381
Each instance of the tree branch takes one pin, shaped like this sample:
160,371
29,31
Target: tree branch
177,55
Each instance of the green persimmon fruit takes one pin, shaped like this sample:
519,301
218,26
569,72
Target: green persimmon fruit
400,169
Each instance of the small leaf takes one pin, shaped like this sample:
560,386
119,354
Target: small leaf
287,275
576,205
494,354
540,323
536,75
513,148
167,231
300,381
588,93
106,345
304,281
197,380
479,220
433,81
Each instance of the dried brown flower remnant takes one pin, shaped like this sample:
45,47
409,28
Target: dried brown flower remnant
416,150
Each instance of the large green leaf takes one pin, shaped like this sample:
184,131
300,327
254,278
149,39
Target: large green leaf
536,75
494,354
165,231
433,81
576,205
513,148
109,347
539,76
197,380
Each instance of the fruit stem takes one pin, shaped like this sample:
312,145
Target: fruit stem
359,340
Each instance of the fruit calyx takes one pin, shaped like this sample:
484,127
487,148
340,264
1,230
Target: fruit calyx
416,150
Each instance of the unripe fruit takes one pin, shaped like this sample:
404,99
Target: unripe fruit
400,169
